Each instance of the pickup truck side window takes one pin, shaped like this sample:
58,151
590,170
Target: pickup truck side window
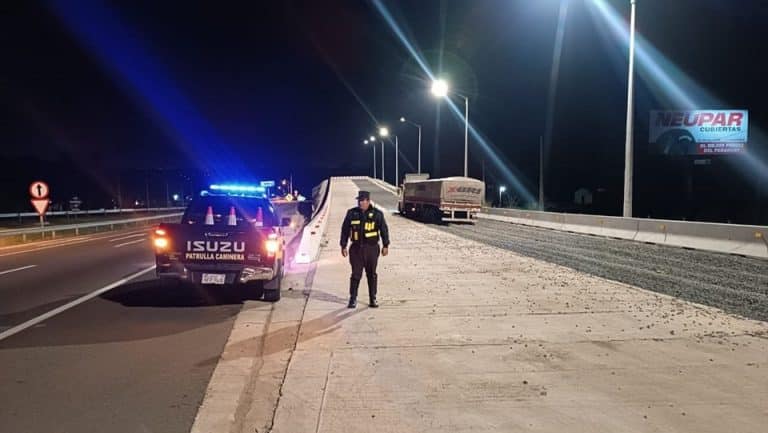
248,211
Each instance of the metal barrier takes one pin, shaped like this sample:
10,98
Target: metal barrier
738,239
88,212
26,233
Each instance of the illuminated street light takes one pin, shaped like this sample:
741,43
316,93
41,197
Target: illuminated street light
365,141
404,120
502,189
372,138
383,131
440,89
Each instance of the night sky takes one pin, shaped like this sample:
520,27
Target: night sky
94,96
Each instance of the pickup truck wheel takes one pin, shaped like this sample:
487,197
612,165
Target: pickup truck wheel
273,286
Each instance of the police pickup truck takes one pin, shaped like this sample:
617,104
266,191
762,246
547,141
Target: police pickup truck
228,235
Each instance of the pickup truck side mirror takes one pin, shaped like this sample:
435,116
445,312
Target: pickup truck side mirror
285,222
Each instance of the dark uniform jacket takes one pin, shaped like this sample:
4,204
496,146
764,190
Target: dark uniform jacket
364,227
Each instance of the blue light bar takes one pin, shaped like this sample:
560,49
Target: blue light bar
238,188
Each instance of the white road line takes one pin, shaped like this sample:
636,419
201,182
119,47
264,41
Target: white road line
43,317
73,241
50,242
128,237
129,243
8,271
46,247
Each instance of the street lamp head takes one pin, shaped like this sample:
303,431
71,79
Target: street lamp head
384,131
365,141
440,88
402,119
502,188
371,138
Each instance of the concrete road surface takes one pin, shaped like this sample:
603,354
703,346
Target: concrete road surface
475,338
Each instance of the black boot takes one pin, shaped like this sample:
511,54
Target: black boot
353,286
372,290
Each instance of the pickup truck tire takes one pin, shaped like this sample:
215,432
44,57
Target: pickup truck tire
273,286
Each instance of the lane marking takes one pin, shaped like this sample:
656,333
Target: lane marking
49,242
120,235
129,243
127,237
74,241
56,311
8,271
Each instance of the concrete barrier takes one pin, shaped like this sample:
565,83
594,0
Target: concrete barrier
312,236
747,240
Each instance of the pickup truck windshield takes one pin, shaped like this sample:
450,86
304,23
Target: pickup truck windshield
249,212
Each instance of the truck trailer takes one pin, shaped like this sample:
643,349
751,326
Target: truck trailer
450,199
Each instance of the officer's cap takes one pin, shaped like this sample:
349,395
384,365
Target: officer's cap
363,195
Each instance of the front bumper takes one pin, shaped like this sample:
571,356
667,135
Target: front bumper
234,274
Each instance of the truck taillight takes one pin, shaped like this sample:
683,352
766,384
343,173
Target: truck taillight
159,232
272,245
161,243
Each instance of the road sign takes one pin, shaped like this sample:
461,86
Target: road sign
39,189
267,183
41,205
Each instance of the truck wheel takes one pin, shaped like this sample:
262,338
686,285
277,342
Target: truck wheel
273,286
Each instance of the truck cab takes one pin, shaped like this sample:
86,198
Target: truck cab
224,238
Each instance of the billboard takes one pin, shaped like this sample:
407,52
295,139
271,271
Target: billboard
699,132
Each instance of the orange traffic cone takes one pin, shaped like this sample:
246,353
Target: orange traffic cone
232,220
209,216
259,221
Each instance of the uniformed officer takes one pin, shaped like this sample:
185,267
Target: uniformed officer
363,226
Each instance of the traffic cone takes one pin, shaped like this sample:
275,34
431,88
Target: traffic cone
209,216
232,221
259,221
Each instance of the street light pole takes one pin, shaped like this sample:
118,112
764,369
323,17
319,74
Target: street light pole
373,146
382,159
404,120
628,152
397,162
441,89
419,166
466,134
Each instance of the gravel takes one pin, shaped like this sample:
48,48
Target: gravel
736,284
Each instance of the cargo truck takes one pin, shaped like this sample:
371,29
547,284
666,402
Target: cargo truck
450,199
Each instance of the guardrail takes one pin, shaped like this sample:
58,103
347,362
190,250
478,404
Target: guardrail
36,233
89,212
746,240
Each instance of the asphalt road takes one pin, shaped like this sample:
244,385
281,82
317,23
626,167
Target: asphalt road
736,284
136,358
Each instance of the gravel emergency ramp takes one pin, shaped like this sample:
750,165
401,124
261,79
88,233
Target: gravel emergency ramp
470,337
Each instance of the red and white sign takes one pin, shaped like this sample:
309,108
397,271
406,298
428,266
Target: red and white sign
40,204
39,189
